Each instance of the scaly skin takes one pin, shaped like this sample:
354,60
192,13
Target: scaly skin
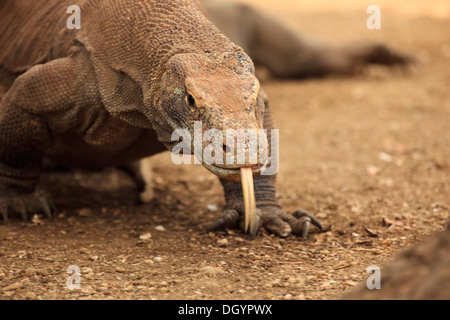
115,90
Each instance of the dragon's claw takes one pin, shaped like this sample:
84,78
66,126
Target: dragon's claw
229,219
45,207
26,205
21,208
306,226
300,213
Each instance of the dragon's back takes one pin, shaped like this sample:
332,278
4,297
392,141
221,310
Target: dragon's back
28,29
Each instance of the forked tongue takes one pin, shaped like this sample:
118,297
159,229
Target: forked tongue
249,200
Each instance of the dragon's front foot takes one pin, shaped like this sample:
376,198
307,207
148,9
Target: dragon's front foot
272,218
283,224
26,205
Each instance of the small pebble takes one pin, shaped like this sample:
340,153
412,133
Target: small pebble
239,240
145,236
120,269
222,242
30,296
163,283
31,271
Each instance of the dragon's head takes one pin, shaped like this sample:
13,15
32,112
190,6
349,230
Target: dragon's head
214,102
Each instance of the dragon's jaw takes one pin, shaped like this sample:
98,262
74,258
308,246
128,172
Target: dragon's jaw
233,174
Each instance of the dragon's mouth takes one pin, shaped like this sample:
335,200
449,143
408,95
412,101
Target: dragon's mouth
232,173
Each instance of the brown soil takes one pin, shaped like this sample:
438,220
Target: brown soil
368,155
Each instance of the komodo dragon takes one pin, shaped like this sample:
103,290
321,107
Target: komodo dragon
115,90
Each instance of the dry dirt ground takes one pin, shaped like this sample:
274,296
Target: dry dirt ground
368,155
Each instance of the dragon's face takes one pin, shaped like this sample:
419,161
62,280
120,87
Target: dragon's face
214,102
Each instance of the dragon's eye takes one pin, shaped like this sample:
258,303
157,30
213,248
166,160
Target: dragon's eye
190,100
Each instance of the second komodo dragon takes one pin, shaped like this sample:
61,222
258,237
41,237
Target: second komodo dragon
115,90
